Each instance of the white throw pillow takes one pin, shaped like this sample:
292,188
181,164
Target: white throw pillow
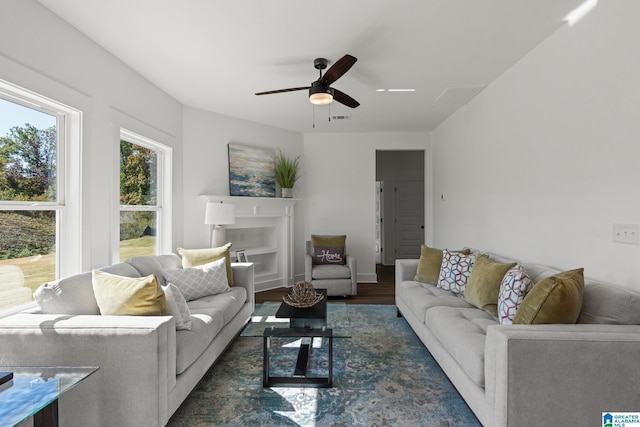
455,271
515,285
201,281
178,307
73,295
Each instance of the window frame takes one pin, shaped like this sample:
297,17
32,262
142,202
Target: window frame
68,201
164,159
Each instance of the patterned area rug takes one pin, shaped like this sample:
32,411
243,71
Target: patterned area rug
383,376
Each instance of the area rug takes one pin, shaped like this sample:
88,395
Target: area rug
383,376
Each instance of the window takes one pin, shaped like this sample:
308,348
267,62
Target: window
36,140
144,229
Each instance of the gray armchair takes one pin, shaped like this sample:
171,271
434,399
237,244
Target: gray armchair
338,272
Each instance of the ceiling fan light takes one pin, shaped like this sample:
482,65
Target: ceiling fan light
320,94
321,98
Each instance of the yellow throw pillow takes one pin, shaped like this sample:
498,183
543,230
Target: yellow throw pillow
195,257
483,286
328,241
123,296
556,299
430,263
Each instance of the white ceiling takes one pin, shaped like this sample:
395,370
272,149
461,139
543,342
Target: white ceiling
215,55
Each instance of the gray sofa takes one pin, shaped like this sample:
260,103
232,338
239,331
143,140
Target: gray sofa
531,375
147,368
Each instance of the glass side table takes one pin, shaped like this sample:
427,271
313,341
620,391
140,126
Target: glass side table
34,392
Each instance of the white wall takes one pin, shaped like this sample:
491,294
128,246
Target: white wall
42,53
543,162
339,187
206,167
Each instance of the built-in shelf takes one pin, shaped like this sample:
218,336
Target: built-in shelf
264,229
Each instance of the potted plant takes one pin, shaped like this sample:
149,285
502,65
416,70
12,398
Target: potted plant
287,173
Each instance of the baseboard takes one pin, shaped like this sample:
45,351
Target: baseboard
362,278
368,278
259,287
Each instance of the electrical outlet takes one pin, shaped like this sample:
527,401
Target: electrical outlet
626,233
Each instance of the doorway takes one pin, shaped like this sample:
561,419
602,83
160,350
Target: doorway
400,181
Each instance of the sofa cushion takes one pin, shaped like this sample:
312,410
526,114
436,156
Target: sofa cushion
556,299
462,331
178,307
538,272
155,264
195,257
328,249
206,323
430,263
455,271
128,296
325,272
420,297
515,285
228,303
200,281
484,283
122,269
606,304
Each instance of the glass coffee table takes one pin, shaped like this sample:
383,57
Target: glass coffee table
287,337
34,392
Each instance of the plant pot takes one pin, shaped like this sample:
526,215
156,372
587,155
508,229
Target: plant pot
287,193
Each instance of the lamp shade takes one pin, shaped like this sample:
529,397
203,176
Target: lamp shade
220,214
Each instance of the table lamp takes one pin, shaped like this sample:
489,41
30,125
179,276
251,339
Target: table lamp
217,215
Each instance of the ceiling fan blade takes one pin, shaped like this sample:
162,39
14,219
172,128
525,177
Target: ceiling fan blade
345,99
291,89
338,69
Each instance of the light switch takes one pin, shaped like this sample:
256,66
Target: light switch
626,233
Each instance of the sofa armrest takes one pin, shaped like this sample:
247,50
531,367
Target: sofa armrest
308,265
243,275
406,269
539,374
136,356
352,264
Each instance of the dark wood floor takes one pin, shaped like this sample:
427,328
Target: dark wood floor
382,292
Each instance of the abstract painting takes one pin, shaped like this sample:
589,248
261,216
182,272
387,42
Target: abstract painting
251,171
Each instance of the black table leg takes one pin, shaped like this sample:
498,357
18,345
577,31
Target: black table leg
47,416
299,378
303,357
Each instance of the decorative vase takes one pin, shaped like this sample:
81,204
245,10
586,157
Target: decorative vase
287,193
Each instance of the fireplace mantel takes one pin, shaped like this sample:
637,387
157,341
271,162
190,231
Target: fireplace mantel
264,230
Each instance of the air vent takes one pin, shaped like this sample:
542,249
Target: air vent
340,117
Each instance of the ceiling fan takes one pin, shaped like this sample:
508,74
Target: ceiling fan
320,91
